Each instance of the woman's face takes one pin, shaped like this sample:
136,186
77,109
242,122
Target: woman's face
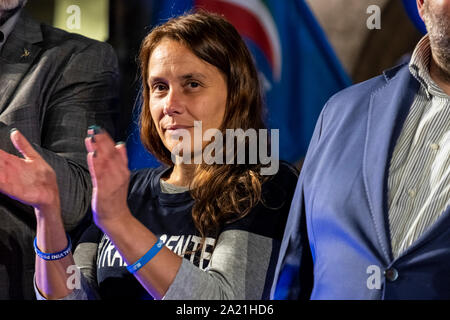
184,89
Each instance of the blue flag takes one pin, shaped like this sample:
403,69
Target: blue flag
411,10
297,66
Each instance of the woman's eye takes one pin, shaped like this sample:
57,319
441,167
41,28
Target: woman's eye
159,87
194,84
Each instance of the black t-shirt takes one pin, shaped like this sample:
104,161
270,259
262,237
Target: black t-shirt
168,216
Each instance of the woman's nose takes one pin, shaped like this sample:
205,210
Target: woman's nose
173,103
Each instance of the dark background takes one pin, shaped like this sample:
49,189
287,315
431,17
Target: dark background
130,20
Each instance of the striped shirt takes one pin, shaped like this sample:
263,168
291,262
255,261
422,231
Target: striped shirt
419,172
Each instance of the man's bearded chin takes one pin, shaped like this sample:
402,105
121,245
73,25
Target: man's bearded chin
6,5
438,26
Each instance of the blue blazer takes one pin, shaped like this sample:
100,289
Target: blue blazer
337,240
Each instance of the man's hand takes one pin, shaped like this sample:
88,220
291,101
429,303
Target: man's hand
29,180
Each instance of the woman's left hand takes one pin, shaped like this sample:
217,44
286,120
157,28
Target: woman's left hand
108,166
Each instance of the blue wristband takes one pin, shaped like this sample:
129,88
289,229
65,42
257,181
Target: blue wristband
53,256
146,257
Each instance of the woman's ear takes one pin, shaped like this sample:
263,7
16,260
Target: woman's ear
420,7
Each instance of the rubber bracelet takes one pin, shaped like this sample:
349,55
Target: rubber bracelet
53,256
146,257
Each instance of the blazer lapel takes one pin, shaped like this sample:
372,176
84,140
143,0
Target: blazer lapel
17,56
388,110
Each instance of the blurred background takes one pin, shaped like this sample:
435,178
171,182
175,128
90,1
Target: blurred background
305,50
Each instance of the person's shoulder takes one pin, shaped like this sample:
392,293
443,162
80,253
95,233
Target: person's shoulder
145,174
67,44
142,179
353,103
285,178
363,90
268,217
55,36
287,171
279,188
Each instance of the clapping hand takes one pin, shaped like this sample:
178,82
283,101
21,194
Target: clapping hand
30,179
108,166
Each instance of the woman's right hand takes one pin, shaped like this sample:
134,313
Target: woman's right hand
30,180
108,166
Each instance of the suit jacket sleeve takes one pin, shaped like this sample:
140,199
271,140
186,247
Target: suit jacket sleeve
85,93
293,278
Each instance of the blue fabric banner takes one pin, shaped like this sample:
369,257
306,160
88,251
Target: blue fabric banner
298,67
411,10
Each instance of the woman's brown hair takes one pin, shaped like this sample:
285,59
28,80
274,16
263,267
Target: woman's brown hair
222,192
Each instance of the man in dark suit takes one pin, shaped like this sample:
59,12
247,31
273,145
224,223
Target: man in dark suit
370,218
53,86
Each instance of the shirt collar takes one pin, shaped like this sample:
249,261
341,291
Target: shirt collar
419,67
8,27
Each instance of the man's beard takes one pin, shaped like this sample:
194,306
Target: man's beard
438,26
6,5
